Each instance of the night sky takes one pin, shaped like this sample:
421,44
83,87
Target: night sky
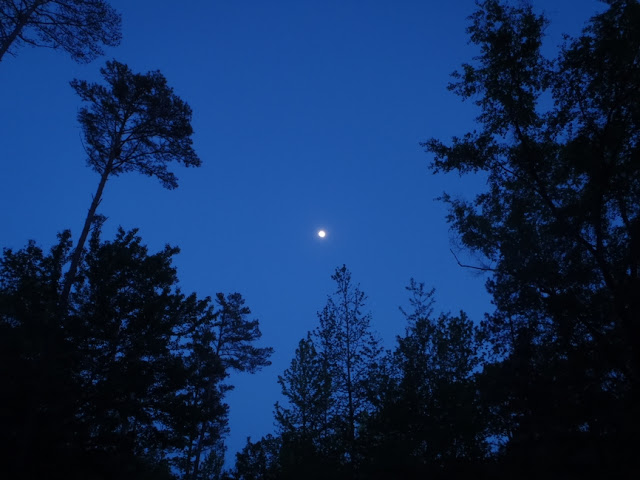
308,115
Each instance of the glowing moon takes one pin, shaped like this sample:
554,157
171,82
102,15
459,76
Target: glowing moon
322,233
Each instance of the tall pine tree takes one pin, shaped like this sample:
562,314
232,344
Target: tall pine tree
559,230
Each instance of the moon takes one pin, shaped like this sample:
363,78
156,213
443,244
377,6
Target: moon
322,233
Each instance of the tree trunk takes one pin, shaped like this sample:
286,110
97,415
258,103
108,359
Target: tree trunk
196,461
77,254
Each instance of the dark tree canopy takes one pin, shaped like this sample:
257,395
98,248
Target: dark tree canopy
353,413
79,27
306,385
304,422
326,388
259,460
349,349
135,123
558,228
129,384
427,419
236,336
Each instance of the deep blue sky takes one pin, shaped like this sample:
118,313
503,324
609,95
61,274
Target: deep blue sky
308,115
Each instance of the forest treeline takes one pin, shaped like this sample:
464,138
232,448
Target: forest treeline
109,370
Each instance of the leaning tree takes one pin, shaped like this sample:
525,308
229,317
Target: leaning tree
134,123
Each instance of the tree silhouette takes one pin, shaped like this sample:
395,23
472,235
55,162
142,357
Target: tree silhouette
133,123
427,417
258,460
38,394
328,391
349,349
559,227
229,338
236,336
80,27
306,386
129,384
304,422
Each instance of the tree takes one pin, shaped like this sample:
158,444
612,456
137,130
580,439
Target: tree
427,419
327,390
101,381
228,337
38,395
437,359
349,350
200,414
303,422
134,123
259,460
80,27
558,228
127,315
306,386
129,384
236,336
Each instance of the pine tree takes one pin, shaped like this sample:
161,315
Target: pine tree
428,419
130,384
349,350
303,421
133,124
558,229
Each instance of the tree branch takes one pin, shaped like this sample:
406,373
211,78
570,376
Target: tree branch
482,269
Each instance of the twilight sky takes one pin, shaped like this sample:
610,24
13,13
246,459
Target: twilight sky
308,115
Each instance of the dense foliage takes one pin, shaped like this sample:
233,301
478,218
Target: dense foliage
130,383
559,229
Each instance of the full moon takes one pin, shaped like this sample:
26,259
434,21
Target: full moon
322,233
